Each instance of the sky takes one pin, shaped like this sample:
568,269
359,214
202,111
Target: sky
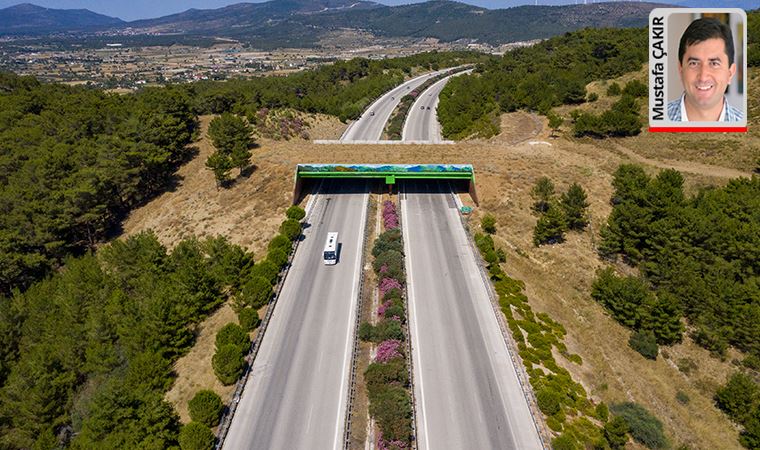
145,9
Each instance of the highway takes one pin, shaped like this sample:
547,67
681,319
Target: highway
465,385
421,123
296,394
370,126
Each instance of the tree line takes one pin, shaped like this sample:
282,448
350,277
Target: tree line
343,89
699,254
548,74
87,353
73,161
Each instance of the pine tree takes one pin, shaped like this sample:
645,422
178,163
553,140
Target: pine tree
574,204
550,227
542,194
220,164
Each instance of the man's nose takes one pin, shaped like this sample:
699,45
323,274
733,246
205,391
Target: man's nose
704,71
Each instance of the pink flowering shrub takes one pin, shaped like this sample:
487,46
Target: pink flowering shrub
388,350
390,215
382,444
386,284
381,309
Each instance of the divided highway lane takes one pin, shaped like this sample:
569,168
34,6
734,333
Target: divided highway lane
370,126
296,394
421,124
465,385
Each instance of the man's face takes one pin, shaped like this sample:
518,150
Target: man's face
705,73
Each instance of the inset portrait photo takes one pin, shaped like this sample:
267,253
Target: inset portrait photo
697,70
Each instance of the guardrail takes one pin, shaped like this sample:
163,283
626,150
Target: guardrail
226,420
522,376
352,382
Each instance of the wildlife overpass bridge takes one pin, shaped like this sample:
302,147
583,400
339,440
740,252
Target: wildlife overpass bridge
462,174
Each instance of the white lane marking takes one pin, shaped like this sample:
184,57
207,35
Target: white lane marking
415,334
340,424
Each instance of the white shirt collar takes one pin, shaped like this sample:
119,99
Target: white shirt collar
685,118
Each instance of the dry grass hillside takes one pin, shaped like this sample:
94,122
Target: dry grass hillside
558,278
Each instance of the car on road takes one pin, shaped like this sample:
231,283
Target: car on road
422,107
428,107
372,113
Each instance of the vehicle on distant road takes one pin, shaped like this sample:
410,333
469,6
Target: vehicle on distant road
422,107
330,255
372,113
428,107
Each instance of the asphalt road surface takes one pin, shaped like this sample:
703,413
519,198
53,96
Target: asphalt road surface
370,126
296,394
421,123
466,388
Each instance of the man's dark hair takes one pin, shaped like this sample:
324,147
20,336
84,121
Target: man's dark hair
703,29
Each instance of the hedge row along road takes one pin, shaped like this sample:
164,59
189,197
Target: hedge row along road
466,387
296,393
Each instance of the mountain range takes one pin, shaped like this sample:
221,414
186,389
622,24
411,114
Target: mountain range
307,22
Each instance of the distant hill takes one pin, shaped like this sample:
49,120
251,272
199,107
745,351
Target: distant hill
31,19
307,22
304,23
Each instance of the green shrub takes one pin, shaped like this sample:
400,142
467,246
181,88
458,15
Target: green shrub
257,292
682,397
394,295
388,329
295,212
389,240
391,259
548,401
488,223
592,97
484,243
206,407
228,364
248,318
554,424
266,269
616,432
613,90
635,88
565,442
644,427
602,412
278,257
233,334
282,242
291,229
395,311
196,436
738,397
378,375
366,332
501,254
645,343
391,407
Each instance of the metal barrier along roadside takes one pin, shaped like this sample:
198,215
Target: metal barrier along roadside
226,420
522,375
352,382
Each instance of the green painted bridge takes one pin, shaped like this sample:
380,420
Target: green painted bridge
389,172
